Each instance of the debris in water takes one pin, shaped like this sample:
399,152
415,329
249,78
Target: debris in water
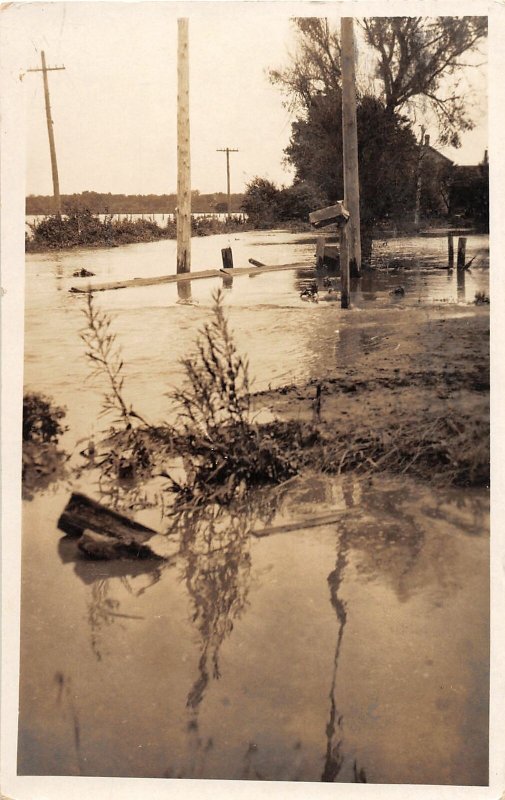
103,533
309,291
83,273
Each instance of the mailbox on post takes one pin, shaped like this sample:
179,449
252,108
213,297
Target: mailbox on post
329,215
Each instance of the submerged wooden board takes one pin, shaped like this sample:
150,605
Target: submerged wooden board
301,524
186,276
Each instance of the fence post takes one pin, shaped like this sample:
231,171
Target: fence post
450,245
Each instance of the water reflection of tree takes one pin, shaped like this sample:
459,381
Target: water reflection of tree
216,564
396,542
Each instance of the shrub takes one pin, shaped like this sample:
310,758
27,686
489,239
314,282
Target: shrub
41,419
43,462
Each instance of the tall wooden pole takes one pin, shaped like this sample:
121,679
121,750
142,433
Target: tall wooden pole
183,150
350,144
52,147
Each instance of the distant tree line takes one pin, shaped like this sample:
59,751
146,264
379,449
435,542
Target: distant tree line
107,203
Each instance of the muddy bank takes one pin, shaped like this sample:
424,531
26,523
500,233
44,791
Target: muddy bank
410,395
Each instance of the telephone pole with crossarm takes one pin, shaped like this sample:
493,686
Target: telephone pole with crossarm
228,150
54,166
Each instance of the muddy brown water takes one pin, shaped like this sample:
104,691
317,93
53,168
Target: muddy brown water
352,651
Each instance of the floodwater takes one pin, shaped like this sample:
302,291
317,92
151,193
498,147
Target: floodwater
352,651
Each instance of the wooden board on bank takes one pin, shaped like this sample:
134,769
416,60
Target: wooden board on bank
156,280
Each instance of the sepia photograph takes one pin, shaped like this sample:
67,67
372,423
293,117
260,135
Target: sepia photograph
248,522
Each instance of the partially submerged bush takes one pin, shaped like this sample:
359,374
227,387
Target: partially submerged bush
224,445
81,228
43,462
224,450
41,419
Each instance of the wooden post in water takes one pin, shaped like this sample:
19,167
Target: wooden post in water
461,252
450,245
320,252
344,267
227,256
183,215
350,143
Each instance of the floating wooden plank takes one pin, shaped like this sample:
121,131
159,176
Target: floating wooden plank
256,263
328,215
188,276
155,280
82,513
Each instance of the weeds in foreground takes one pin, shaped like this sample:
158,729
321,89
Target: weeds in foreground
223,445
106,361
124,453
217,381
224,451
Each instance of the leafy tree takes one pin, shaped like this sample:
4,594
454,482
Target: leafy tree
297,201
260,202
419,61
267,205
315,67
387,155
421,58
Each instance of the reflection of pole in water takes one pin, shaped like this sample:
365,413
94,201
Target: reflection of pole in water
460,282
334,735
334,730
66,696
184,291
59,272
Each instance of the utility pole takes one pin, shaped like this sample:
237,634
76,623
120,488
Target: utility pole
423,146
183,216
228,150
54,167
350,144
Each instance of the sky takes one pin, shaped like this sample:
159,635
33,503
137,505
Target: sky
114,106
